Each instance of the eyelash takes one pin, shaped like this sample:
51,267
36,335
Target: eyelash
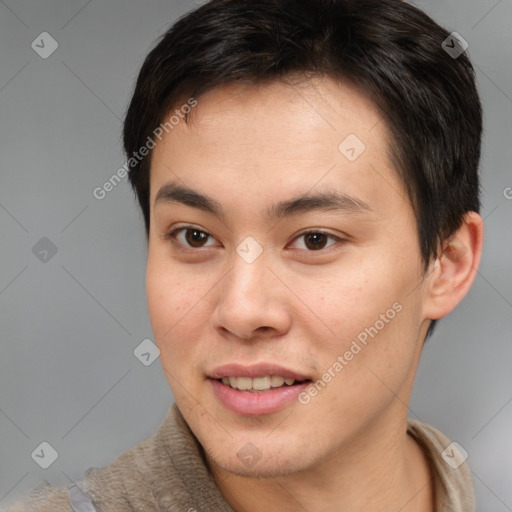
172,235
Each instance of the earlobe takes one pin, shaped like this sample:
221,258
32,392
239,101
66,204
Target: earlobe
454,271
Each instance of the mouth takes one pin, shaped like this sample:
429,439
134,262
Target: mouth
260,384
258,389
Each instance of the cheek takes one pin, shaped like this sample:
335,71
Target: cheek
168,290
369,359
164,299
368,302
178,309
347,301
167,301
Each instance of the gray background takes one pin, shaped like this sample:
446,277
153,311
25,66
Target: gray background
69,325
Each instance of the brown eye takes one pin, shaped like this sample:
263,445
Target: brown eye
195,238
191,237
316,240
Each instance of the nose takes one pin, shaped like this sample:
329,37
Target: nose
252,301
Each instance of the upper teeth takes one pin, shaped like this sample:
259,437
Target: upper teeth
258,384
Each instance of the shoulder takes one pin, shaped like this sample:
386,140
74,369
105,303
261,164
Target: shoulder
43,498
167,472
453,484
126,480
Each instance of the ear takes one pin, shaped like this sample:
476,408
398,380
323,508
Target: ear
453,272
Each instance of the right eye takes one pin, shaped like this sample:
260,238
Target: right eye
190,236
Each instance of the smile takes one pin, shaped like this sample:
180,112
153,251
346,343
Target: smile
257,384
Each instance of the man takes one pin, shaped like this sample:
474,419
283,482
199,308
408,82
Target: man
307,173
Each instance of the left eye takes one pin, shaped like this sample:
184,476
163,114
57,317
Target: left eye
316,240
196,238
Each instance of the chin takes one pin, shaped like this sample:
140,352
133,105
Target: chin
262,457
263,468
262,450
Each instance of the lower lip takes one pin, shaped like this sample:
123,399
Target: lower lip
253,404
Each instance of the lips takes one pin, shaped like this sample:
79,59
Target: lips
255,371
257,389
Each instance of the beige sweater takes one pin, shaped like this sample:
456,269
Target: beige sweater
167,472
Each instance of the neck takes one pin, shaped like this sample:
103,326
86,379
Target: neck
383,469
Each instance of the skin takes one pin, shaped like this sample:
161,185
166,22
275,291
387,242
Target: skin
248,148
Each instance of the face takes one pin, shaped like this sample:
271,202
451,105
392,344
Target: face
280,248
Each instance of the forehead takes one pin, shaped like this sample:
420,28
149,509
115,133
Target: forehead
276,136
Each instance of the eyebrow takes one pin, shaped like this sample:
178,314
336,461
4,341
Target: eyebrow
323,201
